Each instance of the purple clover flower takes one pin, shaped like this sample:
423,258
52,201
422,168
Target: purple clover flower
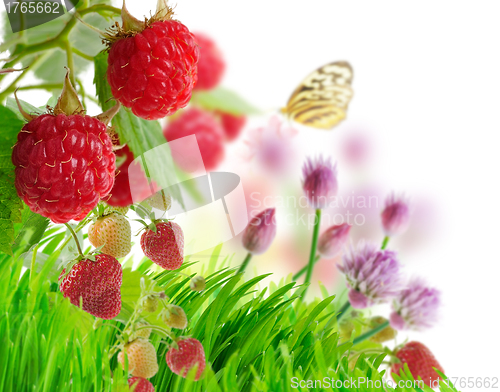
260,232
331,242
320,181
396,215
415,307
372,274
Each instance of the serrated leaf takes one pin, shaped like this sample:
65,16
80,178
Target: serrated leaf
10,204
223,100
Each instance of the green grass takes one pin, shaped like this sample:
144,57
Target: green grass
254,340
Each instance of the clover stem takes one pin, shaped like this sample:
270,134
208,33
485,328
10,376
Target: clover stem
343,310
370,333
303,270
243,265
314,245
385,242
75,238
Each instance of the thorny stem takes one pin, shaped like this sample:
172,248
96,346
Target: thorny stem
244,265
75,238
314,245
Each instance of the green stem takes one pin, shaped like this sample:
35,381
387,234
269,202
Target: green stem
69,58
385,242
343,309
369,334
42,86
75,238
314,245
82,55
243,265
303,270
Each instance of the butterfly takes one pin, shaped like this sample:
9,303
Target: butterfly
321,100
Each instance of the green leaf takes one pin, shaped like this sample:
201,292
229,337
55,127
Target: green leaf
30,231
223,100
10,204
28,108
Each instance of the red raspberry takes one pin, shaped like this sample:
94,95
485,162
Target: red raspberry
211,65
209,135
420,361
166,246
153,72
97,284
189,354
232,124
64,165
120,195
140,384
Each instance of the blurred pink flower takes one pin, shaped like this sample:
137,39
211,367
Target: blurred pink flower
320,181
260,232
331,242
356,149
396,215
415,307
271,146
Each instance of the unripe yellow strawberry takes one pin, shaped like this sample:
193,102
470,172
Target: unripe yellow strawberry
121,210
150,304
386,334
114,232
174,316
142,360
141,333
160,200
197,283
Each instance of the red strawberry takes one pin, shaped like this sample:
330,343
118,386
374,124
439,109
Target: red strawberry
211,65
120,195
140,385
97,284
152,64
209,135
232,125
166,246
189,354
420,361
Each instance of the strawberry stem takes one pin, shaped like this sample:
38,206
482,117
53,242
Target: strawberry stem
75,238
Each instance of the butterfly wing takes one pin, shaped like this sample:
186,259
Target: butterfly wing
322,99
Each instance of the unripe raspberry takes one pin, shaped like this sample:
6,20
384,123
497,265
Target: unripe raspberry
160,200
112,233
209,135
152,65
142,360
197,283
211,65
386,334
174,316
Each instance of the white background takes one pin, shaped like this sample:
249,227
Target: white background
427,88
